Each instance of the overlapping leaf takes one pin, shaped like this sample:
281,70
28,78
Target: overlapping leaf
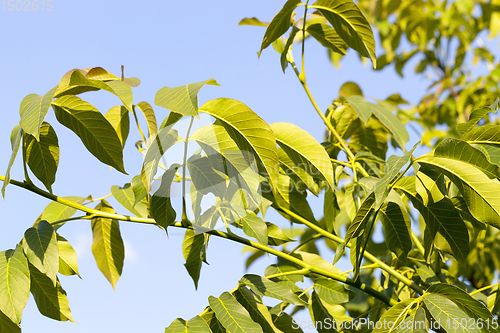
265,287
126,197
350,24
15,141
328,37
232,315
149,113
40,246
68,264
249,131
42,156
161,206
50,299
194,325
191,249
397,227
33,110
118,117
96,133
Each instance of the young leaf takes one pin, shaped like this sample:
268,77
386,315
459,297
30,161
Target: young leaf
324,322
249,131
331,291
42,155
96,133
279,24
126,197
14,283
68,264
361,106
265,287
253,21
50,299
476,116
33,110
304,150
15,140
40,246
161,206
107,245
350,24
149,113
257,310
194,325
255,227
232,315
212,321
182,100
328,37
118,118
191,248
397,226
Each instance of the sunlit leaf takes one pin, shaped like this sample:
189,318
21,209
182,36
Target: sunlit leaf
328,37
232,315
15,140
161,206
118,117
265,287
107,245
50,299
397,227
14,283
68,264
126,197
149,113
96,133
191,248
182,100
40,246
33,110
331,291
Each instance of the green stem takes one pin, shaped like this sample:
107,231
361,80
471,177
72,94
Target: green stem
304,271
419,245
357,284
484,288
305,242
138,125
368,255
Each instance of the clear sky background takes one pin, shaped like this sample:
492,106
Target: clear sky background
164,43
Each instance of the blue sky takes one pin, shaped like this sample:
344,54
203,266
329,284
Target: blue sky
164,43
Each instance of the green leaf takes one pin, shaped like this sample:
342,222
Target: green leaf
233,315
191,249
194,325
276,236
253,21
7,325
126,197
42,156
255,227
395,163
149,113
286,323
284,53
476,116
96,133
320,315
463,300
265,287
68,264
331,291
364,213
395,315
249,131
439,217
257,310
291,198
161,206
183,99
279,268
40,246
449,314
304,150
327,37
299,170
204,177
392,123
107,245
57,212
350,24
212,321
138,188
462,151
397,226
33,110
14,283
488,134
157,146
50,299
118,118
415,323
279,24
15,140
74,82
478,190
361,106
